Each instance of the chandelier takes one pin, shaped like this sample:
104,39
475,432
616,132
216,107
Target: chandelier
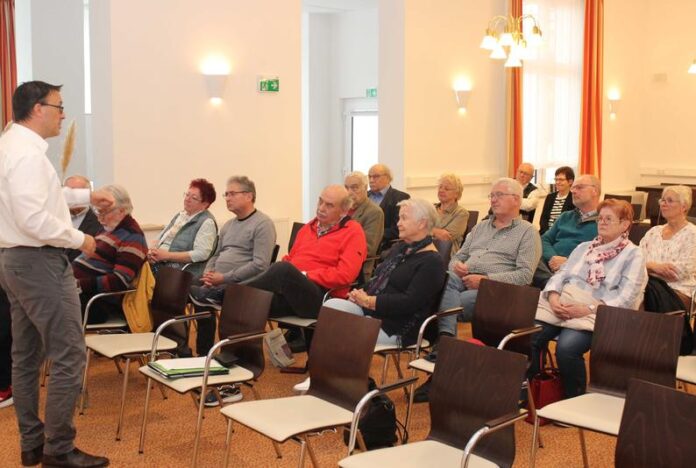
506,40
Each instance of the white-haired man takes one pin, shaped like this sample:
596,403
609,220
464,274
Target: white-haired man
387,197
365,212
503,248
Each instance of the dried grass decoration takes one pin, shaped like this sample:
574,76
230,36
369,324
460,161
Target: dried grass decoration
68,148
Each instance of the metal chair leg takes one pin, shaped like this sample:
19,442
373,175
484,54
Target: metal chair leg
535,436
144,423
532,411
303,444
123,399
384,368
312,456
228,438
276,447
585,463
409,404
118,366
83,394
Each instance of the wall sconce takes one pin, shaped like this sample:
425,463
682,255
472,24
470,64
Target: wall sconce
692,68
614,98
462,92
215,70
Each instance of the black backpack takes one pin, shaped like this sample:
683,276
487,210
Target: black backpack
660,298
378,423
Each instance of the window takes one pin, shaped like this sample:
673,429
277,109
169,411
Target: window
361,134
552,84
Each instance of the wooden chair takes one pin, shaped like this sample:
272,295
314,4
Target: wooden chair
243,319
473,405
625,344
503,318
657,428
293,234
638,231
338,390
471,222
168,301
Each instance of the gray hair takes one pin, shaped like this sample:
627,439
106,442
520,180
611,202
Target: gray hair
682,192
454,180
121,197
80,178
594,181
246,184
358,175
385,169
421,210
513,186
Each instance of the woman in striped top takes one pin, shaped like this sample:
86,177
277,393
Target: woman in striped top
559,201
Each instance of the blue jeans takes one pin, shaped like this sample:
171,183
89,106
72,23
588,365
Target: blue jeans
456,295
571,346
352,308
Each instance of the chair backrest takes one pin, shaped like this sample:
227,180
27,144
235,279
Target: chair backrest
274,255
637,231
245,310
169,299
657,427
293,234
471,222
341,354
501,308
633,344
471,386
627,198
444,248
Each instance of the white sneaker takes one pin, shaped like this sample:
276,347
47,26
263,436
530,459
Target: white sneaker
302,387
231,394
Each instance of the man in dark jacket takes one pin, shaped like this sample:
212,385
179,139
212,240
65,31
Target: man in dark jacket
386,197
82,217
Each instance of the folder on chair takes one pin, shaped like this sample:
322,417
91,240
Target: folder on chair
186,367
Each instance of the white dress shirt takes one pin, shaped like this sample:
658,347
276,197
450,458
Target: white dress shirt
33,207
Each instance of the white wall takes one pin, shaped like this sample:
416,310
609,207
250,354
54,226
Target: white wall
165,131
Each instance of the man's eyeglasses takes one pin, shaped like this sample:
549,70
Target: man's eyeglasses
192,197
60,108
580,186
99,212
497,195
231,193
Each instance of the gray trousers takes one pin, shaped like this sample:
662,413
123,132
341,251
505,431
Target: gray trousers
46,324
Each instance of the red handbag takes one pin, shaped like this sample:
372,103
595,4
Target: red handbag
546,388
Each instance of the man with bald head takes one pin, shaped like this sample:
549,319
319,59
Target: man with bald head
386,197
531,194
328,253
82,217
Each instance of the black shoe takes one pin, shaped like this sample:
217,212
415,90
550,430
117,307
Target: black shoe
76,459
204,296
296,341
32,457
421,393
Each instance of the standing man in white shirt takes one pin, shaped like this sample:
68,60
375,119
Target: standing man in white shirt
35,231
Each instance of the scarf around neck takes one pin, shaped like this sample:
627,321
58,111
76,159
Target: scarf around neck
379,282
599,253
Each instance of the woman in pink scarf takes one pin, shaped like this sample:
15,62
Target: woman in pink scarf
607,270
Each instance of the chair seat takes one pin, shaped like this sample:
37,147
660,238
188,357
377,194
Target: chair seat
594,411
381,348
282,418
126,343
427,453
422,365
295,321
186,384
686,369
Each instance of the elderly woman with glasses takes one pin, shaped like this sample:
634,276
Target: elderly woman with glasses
407,284
559,201
451,216
607,270
191,235
670,249
120,254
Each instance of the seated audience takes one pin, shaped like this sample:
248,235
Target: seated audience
406,285
670,249
570,229
243,253
82,217
559,201
191,235
386,197
531,194
503,247
607,270
452,218
328,253
120,253
365,212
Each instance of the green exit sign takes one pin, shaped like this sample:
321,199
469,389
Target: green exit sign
268,84
371,92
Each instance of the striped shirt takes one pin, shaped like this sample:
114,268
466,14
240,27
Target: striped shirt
509,254
625,280
557,209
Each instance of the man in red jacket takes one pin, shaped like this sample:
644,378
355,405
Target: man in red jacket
328,253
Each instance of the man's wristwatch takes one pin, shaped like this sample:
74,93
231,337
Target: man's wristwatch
592,308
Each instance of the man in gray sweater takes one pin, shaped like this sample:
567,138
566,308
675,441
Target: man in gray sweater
243,252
